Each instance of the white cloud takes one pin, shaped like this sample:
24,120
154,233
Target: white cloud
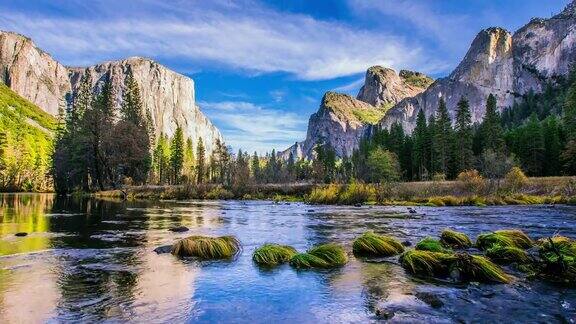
247,126
243,35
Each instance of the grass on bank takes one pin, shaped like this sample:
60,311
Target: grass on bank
273,254
372,244
207,248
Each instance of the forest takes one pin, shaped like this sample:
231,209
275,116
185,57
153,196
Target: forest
98,146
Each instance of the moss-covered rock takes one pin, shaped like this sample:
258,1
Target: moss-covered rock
509,238
455,239
431,244
273,254
371,244
204,247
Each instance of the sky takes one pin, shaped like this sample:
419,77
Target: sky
261,67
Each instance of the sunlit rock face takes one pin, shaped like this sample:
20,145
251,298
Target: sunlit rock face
383,87
343,121
500,63
32,73
168,96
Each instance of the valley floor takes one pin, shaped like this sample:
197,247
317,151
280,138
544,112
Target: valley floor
545,190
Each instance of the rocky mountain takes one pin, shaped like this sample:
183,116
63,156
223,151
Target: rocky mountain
169,97
507,65
343,121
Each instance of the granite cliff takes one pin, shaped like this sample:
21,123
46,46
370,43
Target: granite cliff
169,97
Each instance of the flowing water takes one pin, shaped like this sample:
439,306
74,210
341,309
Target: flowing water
90,260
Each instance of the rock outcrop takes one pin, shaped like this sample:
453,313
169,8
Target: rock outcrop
343,121
384,88
500,63
168,96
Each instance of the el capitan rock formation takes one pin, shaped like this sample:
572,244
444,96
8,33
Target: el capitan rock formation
169,97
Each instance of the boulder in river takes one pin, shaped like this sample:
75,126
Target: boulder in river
21,234
179,229
163,249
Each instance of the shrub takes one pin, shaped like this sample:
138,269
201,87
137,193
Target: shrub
509,238
471,181
219,193
273,254
324,195
204,247
356,193
455,239
438,177
371,244
515,179
432,245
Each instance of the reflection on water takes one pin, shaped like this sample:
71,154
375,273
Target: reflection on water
93,260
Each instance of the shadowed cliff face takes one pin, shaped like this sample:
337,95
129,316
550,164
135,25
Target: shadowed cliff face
168,96
343,121
500,63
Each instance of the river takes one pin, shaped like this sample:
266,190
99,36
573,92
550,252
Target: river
92,260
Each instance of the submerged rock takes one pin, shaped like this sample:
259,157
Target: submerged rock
430,298
407,243
179,229
163,249
21,234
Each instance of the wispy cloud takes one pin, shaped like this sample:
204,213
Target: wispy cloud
241,35
351,87
248,126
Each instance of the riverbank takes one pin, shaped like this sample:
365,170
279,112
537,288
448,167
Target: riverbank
550,190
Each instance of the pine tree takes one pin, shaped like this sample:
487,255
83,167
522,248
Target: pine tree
131,108
420,155
201,161
177,155
552,146
442,139
161,158
491,132
255,166
532,145
464,156
188,168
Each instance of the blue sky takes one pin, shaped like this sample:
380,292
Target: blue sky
261,67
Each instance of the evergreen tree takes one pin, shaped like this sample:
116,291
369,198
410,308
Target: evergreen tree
532,147
420,155
255,166
177,155
189,160
464,156
201,161
161,157
491,132
552,146
442,141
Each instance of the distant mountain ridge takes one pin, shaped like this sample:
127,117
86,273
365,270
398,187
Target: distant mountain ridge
342,121
497,62
169,97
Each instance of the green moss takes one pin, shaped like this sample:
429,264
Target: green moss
273,254
510,238
204,247
432,245
507,254
371,244
455,239
369,116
